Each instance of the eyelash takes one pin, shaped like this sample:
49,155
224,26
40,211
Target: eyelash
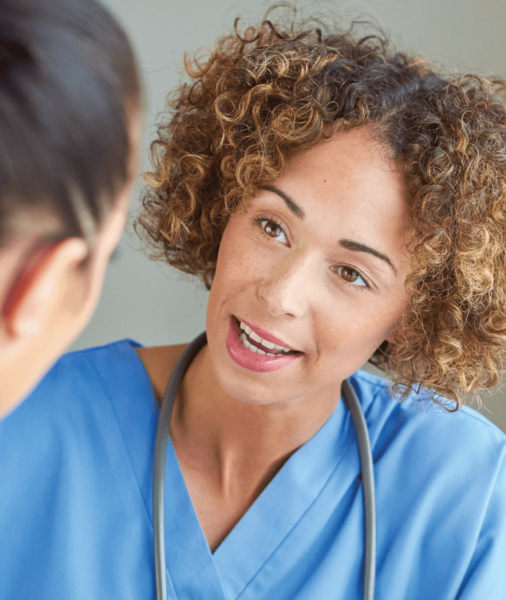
263,218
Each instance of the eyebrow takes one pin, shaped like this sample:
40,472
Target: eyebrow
352,245
292,205
358,247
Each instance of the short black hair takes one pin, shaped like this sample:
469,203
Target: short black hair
68,79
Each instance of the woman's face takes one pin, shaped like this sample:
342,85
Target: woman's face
315,264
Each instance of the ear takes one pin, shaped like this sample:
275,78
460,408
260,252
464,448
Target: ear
39,284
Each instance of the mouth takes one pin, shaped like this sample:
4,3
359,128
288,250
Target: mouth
254,342
256,350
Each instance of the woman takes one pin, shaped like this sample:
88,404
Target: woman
69,130
343,203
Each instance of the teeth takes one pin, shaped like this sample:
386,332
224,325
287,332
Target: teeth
245,328
255,337
247,331
248,345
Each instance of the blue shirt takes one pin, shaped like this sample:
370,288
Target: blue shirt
76,519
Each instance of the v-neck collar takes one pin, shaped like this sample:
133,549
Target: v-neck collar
261,529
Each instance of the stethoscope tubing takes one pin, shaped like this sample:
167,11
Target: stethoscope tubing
162,438
368,486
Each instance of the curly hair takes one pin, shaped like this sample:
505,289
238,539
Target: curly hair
276,89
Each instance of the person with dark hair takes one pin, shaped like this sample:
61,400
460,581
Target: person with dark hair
343,202
69,130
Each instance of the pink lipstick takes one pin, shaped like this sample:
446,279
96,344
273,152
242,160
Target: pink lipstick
252,360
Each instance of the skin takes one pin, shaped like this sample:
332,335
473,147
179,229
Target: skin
60,295
234,428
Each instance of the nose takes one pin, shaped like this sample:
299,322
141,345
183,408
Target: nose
287,288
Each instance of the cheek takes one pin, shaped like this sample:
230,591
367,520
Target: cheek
233,269
230,264
353,332
240,259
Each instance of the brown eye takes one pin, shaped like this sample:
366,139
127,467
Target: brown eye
272,229
352,276
349,274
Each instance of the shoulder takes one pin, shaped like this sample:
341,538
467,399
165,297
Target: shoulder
92,367
75,461
78,382
440,490
92,403
430,432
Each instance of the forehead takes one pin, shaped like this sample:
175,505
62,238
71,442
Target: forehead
349,184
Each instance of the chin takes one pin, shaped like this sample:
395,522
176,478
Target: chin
258,389
250,392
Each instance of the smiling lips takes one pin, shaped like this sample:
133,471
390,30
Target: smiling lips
255,349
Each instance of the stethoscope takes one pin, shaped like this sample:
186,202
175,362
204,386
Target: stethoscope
162,438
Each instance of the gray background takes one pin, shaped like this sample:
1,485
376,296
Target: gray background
156,305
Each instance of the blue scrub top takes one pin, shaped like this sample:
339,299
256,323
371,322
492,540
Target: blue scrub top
76,518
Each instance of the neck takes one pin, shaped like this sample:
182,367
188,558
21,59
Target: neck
239,446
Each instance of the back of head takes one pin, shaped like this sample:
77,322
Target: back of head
68,80
69,116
